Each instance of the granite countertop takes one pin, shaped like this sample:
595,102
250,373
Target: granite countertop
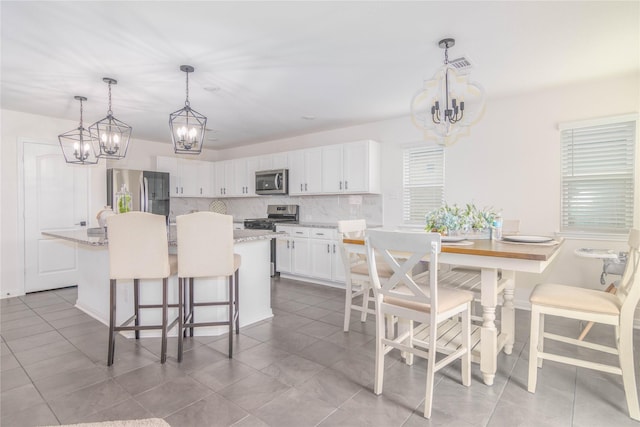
324,225
314,224
82,237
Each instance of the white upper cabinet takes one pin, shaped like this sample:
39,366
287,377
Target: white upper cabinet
188,178
224,182
351,168
279,161
273,161
170,165
305,171
245,176
333,169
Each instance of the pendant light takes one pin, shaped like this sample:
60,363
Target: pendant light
449,103
187,125
76,144
111,135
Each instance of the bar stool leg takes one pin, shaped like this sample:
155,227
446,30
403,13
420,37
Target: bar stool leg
112,321
193,314
237,299
136,305
180,316
231,285
163,350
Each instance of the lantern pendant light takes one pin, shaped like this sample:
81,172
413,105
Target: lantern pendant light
187,125
77,144
111,135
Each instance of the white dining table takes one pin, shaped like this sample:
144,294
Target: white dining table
492,257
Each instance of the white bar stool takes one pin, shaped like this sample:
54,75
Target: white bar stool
138,249
205,250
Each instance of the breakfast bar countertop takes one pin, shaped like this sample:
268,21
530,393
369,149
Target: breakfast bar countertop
81,236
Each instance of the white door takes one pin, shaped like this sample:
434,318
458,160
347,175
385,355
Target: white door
55,198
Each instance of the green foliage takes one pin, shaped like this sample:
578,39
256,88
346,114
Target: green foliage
450,218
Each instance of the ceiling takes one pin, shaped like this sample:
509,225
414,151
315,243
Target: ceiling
261,67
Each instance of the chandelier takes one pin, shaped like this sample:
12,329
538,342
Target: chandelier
448,104
76,144
187,125
111,135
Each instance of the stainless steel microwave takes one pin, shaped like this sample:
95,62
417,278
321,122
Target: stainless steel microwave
272,181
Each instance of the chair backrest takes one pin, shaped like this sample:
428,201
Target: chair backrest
205,244
629,286
138,246
402,251
351,229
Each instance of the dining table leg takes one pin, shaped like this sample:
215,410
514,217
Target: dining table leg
488,331
508,325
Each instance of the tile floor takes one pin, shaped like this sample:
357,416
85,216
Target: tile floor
298,369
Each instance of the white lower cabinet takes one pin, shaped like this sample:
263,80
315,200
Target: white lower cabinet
310,253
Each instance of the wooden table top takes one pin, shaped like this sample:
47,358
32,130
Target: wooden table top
493,248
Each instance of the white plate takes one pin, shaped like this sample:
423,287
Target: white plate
527,239
452,238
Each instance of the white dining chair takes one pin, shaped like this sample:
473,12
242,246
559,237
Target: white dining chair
593,306
138,249
416,298
205,250
357,282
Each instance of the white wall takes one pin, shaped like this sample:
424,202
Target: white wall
510,161
18,127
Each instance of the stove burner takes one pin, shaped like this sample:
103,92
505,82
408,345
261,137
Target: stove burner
276,214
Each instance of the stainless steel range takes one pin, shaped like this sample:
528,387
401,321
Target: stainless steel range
276,214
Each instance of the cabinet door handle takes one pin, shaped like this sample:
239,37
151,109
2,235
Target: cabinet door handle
334,248
293,244
341,185
319,234
328,248
346,185
200,190
177,192
181,190
287,244
300,187
305,187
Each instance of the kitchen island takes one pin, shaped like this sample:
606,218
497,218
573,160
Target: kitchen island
93,284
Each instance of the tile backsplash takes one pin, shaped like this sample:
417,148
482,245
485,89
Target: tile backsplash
320,209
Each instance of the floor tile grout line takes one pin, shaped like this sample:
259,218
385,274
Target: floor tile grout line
506,383
32,382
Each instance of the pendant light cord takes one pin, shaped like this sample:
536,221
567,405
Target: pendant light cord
186,102
109,112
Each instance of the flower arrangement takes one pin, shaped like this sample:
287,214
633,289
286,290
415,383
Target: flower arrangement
452,218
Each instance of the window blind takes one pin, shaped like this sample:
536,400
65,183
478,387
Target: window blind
598,177
423,182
